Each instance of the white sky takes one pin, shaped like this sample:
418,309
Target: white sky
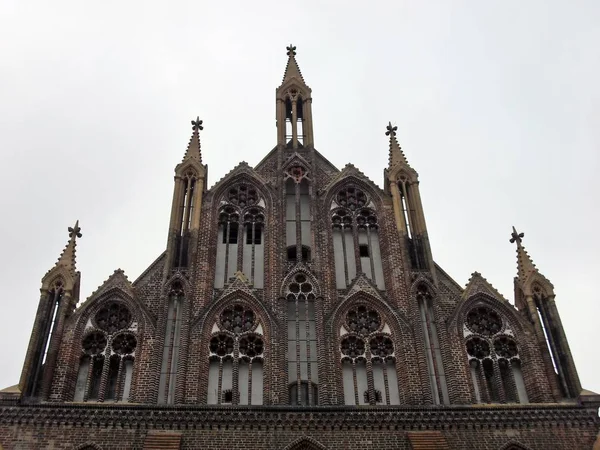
497,106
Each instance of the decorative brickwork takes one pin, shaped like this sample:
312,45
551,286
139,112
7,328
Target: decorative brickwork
193,356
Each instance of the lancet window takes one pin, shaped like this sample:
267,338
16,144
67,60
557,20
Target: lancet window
107,355
294,118
54,296
186,210
355,238
241,238
171,345
297,216
368,359
303,376
235,374
412,225
494,358
435,366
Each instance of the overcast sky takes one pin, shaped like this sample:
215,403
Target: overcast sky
497,106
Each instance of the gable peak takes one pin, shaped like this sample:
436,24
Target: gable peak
478,284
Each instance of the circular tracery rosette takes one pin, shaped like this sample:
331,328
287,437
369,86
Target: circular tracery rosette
237,319
362,320
113,316
221,345
353,347
94,343
483,320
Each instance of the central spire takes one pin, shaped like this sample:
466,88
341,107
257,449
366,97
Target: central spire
294,113
396,154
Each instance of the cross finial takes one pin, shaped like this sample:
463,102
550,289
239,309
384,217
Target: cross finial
391,131
516,237
197,124
291,50
75,231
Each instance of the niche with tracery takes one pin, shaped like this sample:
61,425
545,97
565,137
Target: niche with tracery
368,359
241,236
494,358
236,347
107,353
355,238
301,355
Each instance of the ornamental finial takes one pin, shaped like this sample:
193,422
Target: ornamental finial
197,124
75,231
291,50
516,237
391,131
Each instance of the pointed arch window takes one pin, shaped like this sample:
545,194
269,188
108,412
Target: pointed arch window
355,238
435,365
494,359
368,359
237,348
52,306
298,215
186,211
241,236
411,222
294,119
107,353
301,355
171,345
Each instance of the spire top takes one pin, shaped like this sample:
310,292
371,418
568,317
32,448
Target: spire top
396,154
193,150
525,265
292,70
67,257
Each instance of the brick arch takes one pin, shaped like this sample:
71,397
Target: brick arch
244,177
205,320
88,446
400,322
300,268
177,278
365,185
401,336
513,445
517,323
75,332
421,280
201,331
305,443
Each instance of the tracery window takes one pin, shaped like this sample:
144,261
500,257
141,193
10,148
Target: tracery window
355,238
240,242
171,345
435,365
494,358
368,359
303,377
107,352
235,374
297,215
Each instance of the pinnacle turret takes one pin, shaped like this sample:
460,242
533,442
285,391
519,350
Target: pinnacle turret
396,154
525,266
194,150
67,257
292,70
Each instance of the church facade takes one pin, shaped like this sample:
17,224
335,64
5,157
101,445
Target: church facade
297,306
